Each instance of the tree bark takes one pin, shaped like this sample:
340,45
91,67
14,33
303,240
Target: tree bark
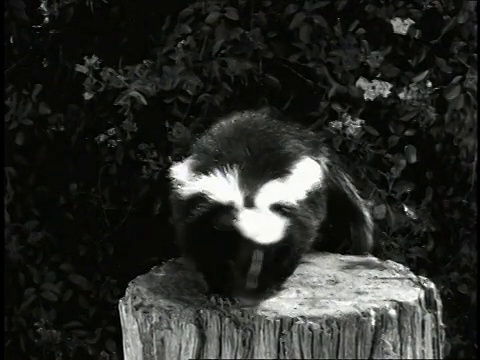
334,306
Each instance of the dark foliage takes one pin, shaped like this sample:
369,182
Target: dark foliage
101,96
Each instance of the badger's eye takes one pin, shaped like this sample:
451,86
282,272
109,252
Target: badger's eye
223,222
282,208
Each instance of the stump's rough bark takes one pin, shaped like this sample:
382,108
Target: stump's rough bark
334,306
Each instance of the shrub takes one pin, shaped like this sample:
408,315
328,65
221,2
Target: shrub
90,129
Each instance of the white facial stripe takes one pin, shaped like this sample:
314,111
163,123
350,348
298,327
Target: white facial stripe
305,175
181,172
261,225
220,186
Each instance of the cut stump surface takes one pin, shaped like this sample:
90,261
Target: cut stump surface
334,306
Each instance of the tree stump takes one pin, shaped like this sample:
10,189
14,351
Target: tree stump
334,306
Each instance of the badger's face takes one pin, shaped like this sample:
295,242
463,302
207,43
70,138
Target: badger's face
247,237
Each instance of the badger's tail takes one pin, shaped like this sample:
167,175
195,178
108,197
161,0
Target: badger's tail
348,227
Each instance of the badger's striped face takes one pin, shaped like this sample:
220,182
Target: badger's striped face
258,214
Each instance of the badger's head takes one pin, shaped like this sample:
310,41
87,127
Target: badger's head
247,235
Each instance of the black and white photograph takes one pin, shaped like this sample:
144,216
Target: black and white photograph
240,179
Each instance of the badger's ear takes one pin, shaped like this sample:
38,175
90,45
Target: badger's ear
348,226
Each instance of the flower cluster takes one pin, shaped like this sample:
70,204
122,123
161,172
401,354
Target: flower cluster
350,126
148,155
374,88
416,93
110,137
401,26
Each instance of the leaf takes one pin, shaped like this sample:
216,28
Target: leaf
290,9
185,13
297,20
393,140
20,138
337,142
36,90
217,46
119,154
336,106
212,17
304,33
463,288
458,102
21,279
29,292
320,20
183,29
389,71
428,195
231,13
410,132
319,5
360,31
87,95
341,4
50,296
353,25
81,69
43,109
27,122
401,187
81,281
456,79
67,267
379,211
67,295
430,244
370,8
50,287
272,81
410,115
452,92
31,225
420,76
411,154
27,302
442,64
110,345
371,130
135,94
73,324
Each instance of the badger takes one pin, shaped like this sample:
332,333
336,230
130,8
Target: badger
256,194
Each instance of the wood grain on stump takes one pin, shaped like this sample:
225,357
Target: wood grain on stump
334,306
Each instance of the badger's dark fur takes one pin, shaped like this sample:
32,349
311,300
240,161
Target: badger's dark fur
255,195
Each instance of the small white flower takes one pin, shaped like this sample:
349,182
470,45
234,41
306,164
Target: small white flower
353,127
373,89
382,87
362,83
111,143
337,125
401,26
87,95
100,138
410,212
